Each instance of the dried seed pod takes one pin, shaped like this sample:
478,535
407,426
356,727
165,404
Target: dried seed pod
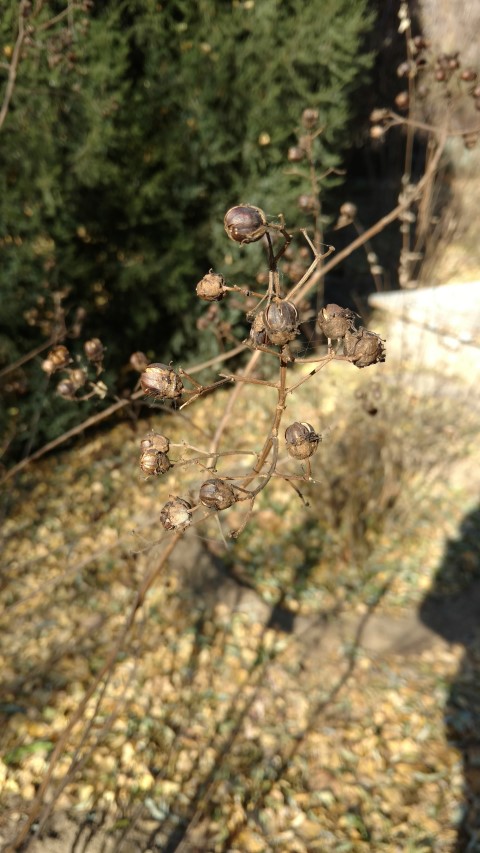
378,114
139,361
258,334
217,494
281,321
363,348
155,441
403,69
296,154
301,440
440,75
94,350
159,380
348,209
469,75
66,389
245,223
57,358
402,101
211,288
309,118
377,131
78,377
154,462
335,321
176,514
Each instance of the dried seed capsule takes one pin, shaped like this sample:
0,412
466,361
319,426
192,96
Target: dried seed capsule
258,334
309,118
159,380
245,223
154,462
363,348
308,203
78,377
402,101
377,131
57,358
378,114
211,288
301,440
94,349
335,321
66,389
139,361
469,75
348,209
156,441
296,154
281,321
217,494
176,514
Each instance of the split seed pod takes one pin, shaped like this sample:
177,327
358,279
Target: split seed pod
281,321
94,349
364,348
301,440
154,462
335,321
216,494
159,380
245,223
258,334
155,441
211,288
57,358
176,514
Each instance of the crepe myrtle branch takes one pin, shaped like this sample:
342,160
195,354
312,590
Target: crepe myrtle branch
274,328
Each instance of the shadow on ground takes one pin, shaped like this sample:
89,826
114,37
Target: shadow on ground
452,609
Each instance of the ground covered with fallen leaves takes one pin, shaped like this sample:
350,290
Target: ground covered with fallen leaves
312,687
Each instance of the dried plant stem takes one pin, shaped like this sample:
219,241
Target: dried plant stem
33,814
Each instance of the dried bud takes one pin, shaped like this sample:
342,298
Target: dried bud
154,462
469,75
78,377
245,223
377,131
66,389
335,321
281,321
403,69
139,361
308,203
296,154
217,494
94,349
309,118
378,114
363,348
402,101
159,380
301,440
155,441
348,210
258,334
212,287
176,514
57,358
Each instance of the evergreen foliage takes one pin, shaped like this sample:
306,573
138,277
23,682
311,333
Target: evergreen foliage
133,126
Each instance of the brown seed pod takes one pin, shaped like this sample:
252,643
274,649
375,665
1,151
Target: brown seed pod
309,118
468,75
296,154
217,494
176,514
57,358
377,131
364,348
403,69
66,389
378,114
301,440
440,75
258,334
402,101
245,223
281,321
335,321
78,377
139,361
348,209
154,462
155,441
211,288
308,203
159,380
94,350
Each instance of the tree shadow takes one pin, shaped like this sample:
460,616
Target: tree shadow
452,609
